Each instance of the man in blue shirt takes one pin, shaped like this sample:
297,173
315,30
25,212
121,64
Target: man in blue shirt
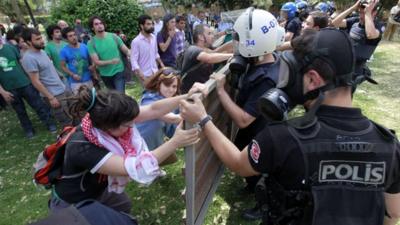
75,61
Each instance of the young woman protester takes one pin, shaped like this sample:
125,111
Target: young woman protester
165,83
166,40
107,151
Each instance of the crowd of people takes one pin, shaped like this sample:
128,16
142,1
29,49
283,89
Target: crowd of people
307,55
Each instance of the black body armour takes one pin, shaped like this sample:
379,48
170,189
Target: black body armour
346,174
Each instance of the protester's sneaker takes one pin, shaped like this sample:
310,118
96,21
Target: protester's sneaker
29,134
52,128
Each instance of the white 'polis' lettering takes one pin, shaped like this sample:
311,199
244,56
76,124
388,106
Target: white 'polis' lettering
352,171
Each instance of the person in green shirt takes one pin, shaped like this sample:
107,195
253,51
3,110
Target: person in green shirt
53,48
106,51
15,87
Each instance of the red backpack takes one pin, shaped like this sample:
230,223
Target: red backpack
48,166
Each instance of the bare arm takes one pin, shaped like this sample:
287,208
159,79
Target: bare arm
339,20
125,50
171,118
115,165
392,202
226,48
212,58
34,76
370,29
285,46
8,96
241,118
164,46
98,62
288,36
160,63
229,154
159,108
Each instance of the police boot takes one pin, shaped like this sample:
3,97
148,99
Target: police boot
254,213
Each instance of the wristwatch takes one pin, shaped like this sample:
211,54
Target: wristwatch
203,122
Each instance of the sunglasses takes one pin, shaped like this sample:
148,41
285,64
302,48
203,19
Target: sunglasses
168,73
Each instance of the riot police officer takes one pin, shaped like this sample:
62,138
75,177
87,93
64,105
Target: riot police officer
332,165
256,36
366,33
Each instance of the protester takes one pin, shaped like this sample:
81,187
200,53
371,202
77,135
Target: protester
158,23
44,76
75,61
180,34
62,24
164,84
107,151
200,19
53,47
316,20
106,50
15,87
166,40
198,59
81,32
144,51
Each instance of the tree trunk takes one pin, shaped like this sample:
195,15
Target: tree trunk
17,10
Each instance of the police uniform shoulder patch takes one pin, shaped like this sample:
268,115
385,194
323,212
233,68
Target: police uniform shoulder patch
255,151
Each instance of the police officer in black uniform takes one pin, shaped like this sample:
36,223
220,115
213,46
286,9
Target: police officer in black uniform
332,165
366,33
259,73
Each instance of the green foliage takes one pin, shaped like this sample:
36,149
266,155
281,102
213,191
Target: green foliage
119,15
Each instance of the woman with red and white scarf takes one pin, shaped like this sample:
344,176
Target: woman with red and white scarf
107,151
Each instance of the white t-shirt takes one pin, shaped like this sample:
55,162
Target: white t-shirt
157,27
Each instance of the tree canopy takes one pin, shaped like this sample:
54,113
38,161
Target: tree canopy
119,15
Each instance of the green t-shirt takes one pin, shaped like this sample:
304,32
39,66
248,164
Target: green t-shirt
106,49
53,51
12,76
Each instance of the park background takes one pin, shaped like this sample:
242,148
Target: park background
161,203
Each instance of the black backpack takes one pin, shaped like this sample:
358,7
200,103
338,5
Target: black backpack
179,64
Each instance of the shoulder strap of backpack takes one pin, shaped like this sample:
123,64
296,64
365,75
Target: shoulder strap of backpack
193,68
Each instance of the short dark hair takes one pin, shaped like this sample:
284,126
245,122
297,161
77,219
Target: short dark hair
197,31
66,30
28,32
10,35
50,30
180,18
142,19
303,46
320,19
110,109
91,20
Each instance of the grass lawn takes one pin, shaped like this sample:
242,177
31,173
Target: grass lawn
161,203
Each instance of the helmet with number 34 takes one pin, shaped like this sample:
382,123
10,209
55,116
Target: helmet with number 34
257,33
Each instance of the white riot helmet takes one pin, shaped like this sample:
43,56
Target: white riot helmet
257,33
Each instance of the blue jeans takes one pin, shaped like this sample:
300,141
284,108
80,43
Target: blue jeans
32,97
116,82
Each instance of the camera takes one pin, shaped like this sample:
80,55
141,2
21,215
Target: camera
364,3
